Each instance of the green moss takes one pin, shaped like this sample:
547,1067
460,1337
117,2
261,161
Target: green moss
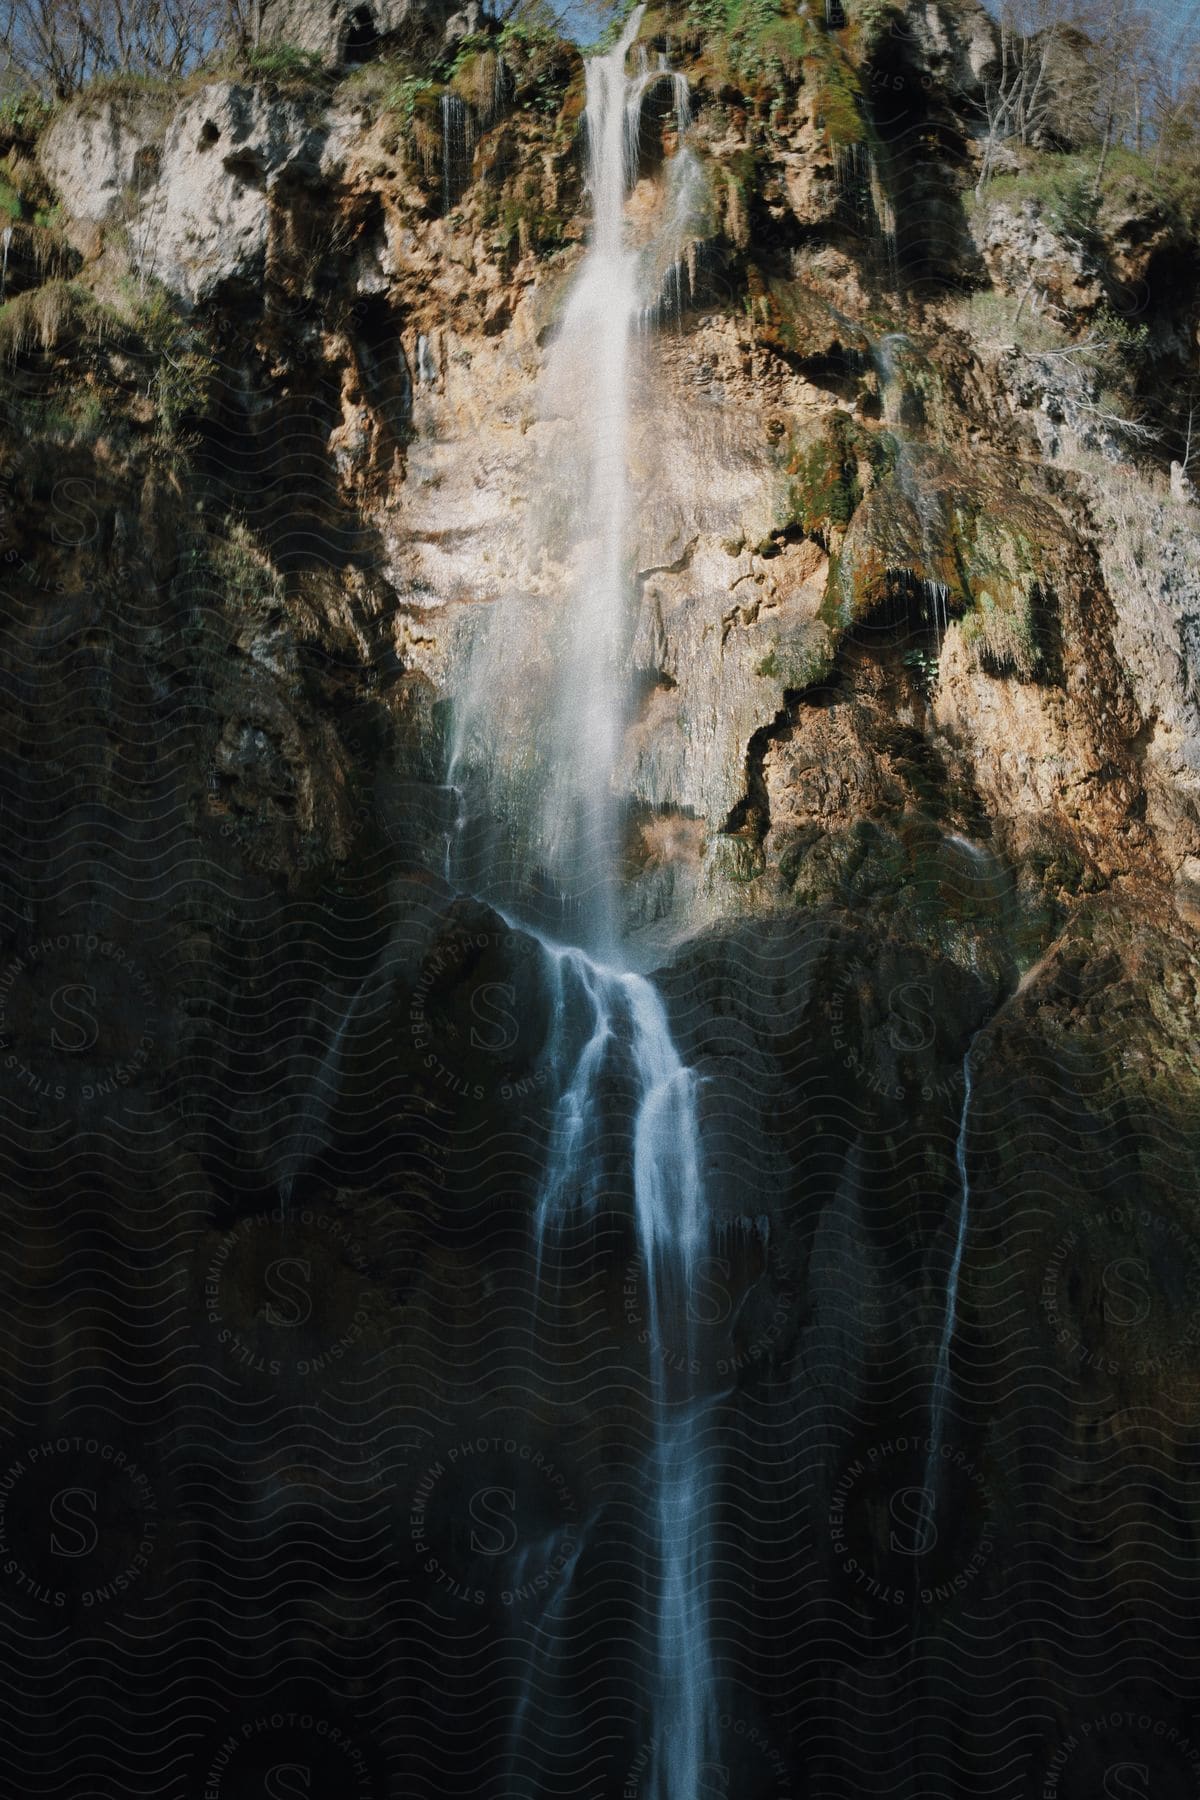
734,859
827,484
839,111
991,550
751,42
416,97
1006,563
1010,637
833,611
25,193
523,226
827,492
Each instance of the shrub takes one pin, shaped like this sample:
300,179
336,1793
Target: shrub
23,115
753,40
285,64
242,569
1064,185
47,319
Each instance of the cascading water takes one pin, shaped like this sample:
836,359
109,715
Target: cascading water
609,1033
579,811
676,248
542,702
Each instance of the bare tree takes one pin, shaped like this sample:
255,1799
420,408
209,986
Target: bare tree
1174,120
1076,72
1117,54
55,46
1020,97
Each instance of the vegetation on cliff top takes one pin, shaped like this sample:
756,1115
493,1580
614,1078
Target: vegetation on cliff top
136,368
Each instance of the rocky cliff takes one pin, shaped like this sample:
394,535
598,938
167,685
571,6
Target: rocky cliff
909,834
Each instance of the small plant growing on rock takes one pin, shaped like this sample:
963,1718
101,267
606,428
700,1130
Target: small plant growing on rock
49,318
242,569
284,64
925,665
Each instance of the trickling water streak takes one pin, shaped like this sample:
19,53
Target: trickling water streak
935,595
674,255
941,1373
427,372
6,238
458,143
941,611
454,831
317,1105
683,102
865,205
884,355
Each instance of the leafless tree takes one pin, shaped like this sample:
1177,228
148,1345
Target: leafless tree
1118,57
56,46
1174,119
1077,71
1020,97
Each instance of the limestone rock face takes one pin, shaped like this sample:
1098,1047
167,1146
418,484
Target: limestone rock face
955,40
191,184
101,156
349,31
205,221
1021,247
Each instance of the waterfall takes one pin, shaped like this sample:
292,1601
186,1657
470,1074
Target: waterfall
622,1088
543,700
579,813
